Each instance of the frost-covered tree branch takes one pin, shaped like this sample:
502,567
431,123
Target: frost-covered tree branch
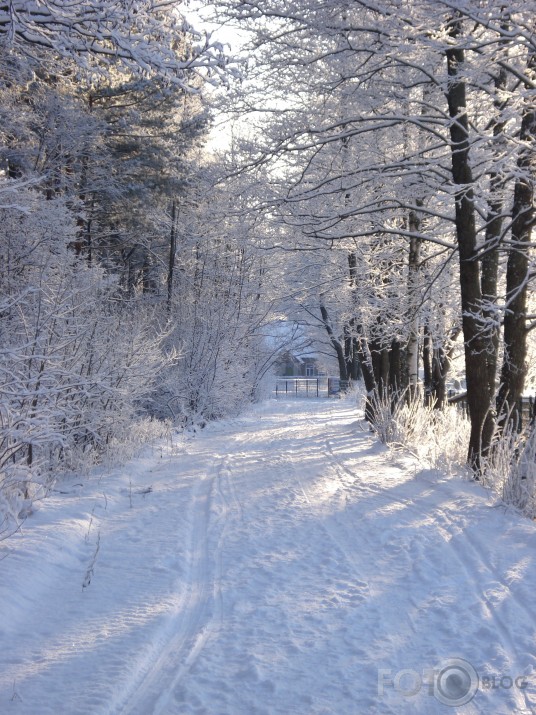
144,37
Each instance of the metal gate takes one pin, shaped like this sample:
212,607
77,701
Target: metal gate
308,386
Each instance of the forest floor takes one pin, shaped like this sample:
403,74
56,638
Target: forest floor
282,563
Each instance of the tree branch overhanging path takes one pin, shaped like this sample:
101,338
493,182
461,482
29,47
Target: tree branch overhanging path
376,127
144,38
380,142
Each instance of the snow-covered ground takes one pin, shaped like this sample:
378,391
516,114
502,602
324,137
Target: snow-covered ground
281,563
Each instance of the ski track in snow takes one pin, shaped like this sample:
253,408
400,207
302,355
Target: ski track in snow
268,565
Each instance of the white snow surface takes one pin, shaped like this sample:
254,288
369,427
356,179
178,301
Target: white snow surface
281,563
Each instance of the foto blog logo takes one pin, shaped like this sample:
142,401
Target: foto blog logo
455,682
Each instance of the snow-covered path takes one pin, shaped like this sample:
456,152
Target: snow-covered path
282,563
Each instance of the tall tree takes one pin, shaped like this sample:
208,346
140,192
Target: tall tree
479,395
341,76
514,366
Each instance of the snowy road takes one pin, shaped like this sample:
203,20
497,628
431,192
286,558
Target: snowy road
280,564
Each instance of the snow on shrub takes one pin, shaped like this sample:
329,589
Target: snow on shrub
75,358
510,469
438,438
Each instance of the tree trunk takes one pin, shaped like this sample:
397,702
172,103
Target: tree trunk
337,345
441,361
172,251
365,360
357,372
492,239
361,347
440,369
351,349
427,350
348,350
395,367
478,391
412,349
437,361
515,318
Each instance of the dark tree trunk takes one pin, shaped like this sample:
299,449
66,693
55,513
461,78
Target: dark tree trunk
365,360
380,366
357,372
414,265
348,350
441,360
492,239
336,344
476,344
396,381
427,350
351,350
384,381
440,368
362,348
172,252
515,318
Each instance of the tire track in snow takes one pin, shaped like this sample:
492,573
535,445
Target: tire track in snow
198,614
471,555
449,528
474,554
352,563
471,561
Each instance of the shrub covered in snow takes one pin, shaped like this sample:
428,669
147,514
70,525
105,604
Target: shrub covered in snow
510,469
438,438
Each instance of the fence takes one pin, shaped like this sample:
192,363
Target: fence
309,386
526,407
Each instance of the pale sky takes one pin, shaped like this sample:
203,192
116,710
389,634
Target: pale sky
196,13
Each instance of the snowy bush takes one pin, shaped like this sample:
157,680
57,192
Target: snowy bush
126,443
74,359
218,326
510,469
438,438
